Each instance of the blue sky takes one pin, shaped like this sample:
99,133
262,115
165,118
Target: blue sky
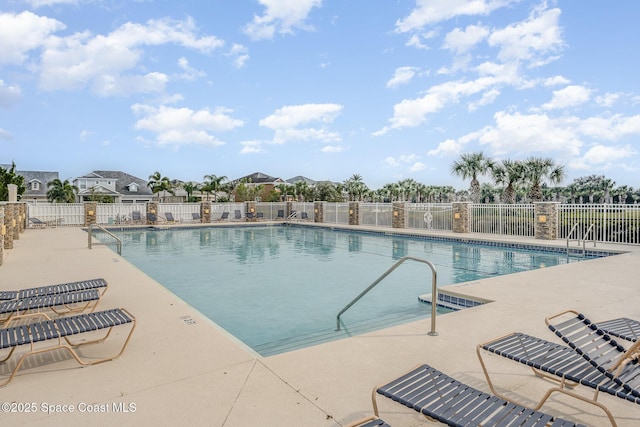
387,89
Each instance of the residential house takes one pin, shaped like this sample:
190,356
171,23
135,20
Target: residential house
269,183
36,183
119,186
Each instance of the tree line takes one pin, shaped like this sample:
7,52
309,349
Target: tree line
510,181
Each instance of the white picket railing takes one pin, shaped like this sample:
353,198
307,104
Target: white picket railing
608,223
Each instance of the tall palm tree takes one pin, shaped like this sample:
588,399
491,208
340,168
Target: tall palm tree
472,165
190,188
61,191
213,184
536,170
159,183
355,187
509,172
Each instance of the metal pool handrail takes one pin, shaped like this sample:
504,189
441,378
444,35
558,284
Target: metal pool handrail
434,291
117,239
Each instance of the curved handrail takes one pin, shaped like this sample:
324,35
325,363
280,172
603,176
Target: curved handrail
434,291
117,239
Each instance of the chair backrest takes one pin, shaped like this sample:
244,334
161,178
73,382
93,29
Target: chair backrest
238,214
225,215
135,215
280,213
151,217
260,215
195,215
304,215
169,216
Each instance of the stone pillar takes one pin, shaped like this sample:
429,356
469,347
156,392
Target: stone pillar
461,217
8,226
23,216
398,214
90,213
16,221
354,213
250,210
205,212
318,212
545,221
2,233
152,207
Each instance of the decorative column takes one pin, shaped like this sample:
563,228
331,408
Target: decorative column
90,213
205,212
8,226
398,214
16,221
22,223
318,212
152,207
2,233
461,217
545,221
354,213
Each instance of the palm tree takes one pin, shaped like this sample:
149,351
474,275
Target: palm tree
471,165
61,191
190,188
355,187
213,184
509,172
159,183
536,169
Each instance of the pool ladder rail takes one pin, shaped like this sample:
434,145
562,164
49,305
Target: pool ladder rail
581,239
101,228
434,291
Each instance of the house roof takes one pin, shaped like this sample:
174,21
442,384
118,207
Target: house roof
260,178
123,181
300,178
42,177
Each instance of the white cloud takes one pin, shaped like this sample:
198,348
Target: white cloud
461,41
282,17
570,96
188,72
40,3
402,75
289,123
392,162
333,149
407,160
22,33
417,167
5,135
608,99
9,95
181,126
239,54
531,39
429,12
108,63
252,147
603,157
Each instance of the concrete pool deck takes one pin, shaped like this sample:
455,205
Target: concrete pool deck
181,369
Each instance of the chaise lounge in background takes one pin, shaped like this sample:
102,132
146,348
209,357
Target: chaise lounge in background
60,288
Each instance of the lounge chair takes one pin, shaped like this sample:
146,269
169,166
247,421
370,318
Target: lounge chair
169,217
623,327
135,217
238,214
70,302
152,218
259,215
304,215
37,223
280,214
616,362
196,217
57,330
250,216
83,285
444,399
224,216
555,362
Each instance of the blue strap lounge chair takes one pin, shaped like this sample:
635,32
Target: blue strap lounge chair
224,216
57,332
444,399
169,217
82,285
623,327
280,214
196,217
555,362
238,214
152,218
70,302
372,421
37,223
617,363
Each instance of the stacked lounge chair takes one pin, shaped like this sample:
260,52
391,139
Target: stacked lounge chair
61,288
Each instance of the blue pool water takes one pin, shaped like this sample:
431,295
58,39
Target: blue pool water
278,288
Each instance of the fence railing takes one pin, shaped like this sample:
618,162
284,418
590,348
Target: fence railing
510,220
610,223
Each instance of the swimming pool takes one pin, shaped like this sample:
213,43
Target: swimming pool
278,288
